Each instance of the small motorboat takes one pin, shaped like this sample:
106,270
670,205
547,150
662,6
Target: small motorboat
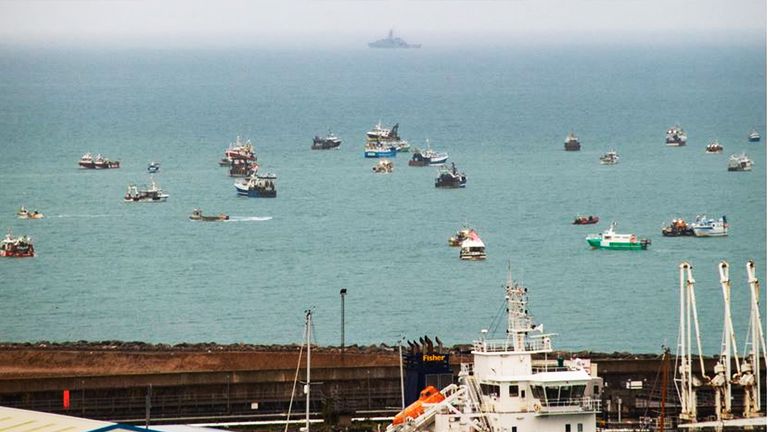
586,220
256,187
380,133
714,147
384,166
23,213
197,215
707,227
676,136
609,239
401,146
754,135
427,157
472,249
153,193
98,162
572,142
739,162
609,158
679,227
329,141
16,247
153,167
460,236
450,178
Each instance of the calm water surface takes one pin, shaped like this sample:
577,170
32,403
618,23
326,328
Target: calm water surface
110,270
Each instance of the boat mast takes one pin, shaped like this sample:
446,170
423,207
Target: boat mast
309,362
519,323
752,354
722,379
664,384
688,316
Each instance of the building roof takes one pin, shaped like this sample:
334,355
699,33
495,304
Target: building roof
20,420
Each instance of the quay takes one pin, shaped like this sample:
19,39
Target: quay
211,383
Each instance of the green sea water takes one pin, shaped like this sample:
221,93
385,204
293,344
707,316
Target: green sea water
110,270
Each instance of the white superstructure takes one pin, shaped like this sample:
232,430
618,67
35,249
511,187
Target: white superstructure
506,390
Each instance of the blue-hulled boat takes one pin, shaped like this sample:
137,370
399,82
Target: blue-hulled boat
256,187
373,150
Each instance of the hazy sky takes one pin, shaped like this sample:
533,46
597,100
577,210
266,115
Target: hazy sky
297,22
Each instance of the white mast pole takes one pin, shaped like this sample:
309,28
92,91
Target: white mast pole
402,382
682,352
309,362
756,325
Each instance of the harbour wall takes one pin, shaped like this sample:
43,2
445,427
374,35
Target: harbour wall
240,383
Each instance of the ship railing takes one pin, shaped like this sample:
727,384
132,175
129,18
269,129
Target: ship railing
531,345
540,369
583,404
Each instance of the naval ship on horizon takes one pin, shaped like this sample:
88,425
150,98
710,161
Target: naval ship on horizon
392,42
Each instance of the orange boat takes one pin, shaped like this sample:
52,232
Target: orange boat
429,395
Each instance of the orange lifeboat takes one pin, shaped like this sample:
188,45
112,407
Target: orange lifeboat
429,395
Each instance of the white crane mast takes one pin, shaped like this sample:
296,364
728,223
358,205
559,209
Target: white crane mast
721,381
688,317
755,342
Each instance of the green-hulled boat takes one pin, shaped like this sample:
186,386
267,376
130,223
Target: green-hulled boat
609,239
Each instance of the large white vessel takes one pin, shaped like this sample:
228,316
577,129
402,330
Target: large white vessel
507,390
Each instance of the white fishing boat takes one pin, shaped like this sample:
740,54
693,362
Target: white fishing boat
676,136
707,227
739,162
507,390
472,248
152,193
754,135
609,158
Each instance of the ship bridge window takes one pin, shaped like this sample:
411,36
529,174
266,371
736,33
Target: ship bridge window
490,389
558,394
513,391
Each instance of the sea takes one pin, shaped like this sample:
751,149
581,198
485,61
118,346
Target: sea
110,270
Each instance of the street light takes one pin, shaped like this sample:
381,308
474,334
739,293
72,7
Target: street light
342,293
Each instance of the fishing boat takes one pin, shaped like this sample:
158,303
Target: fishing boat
379,150
572,142
754,135
450,178
391,41
708,227
739,162
243,168
460,236
676,136
151,193
381,134
16,247
609,239
23,213
384,166
97,162
510,386
679,227
238,150
256,187
714,147
197,215
153,167
427,157
472,248
609,158
329,141
586,220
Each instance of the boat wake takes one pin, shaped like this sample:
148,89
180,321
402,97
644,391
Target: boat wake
81,216
248,218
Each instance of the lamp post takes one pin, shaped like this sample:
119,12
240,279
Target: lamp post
402,383
342,293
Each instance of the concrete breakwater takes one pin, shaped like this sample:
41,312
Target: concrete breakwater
202,382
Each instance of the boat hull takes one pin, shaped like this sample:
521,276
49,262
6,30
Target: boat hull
709,232
598,243
255,192
158,199
380,153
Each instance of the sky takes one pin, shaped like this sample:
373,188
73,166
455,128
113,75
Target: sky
332,22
